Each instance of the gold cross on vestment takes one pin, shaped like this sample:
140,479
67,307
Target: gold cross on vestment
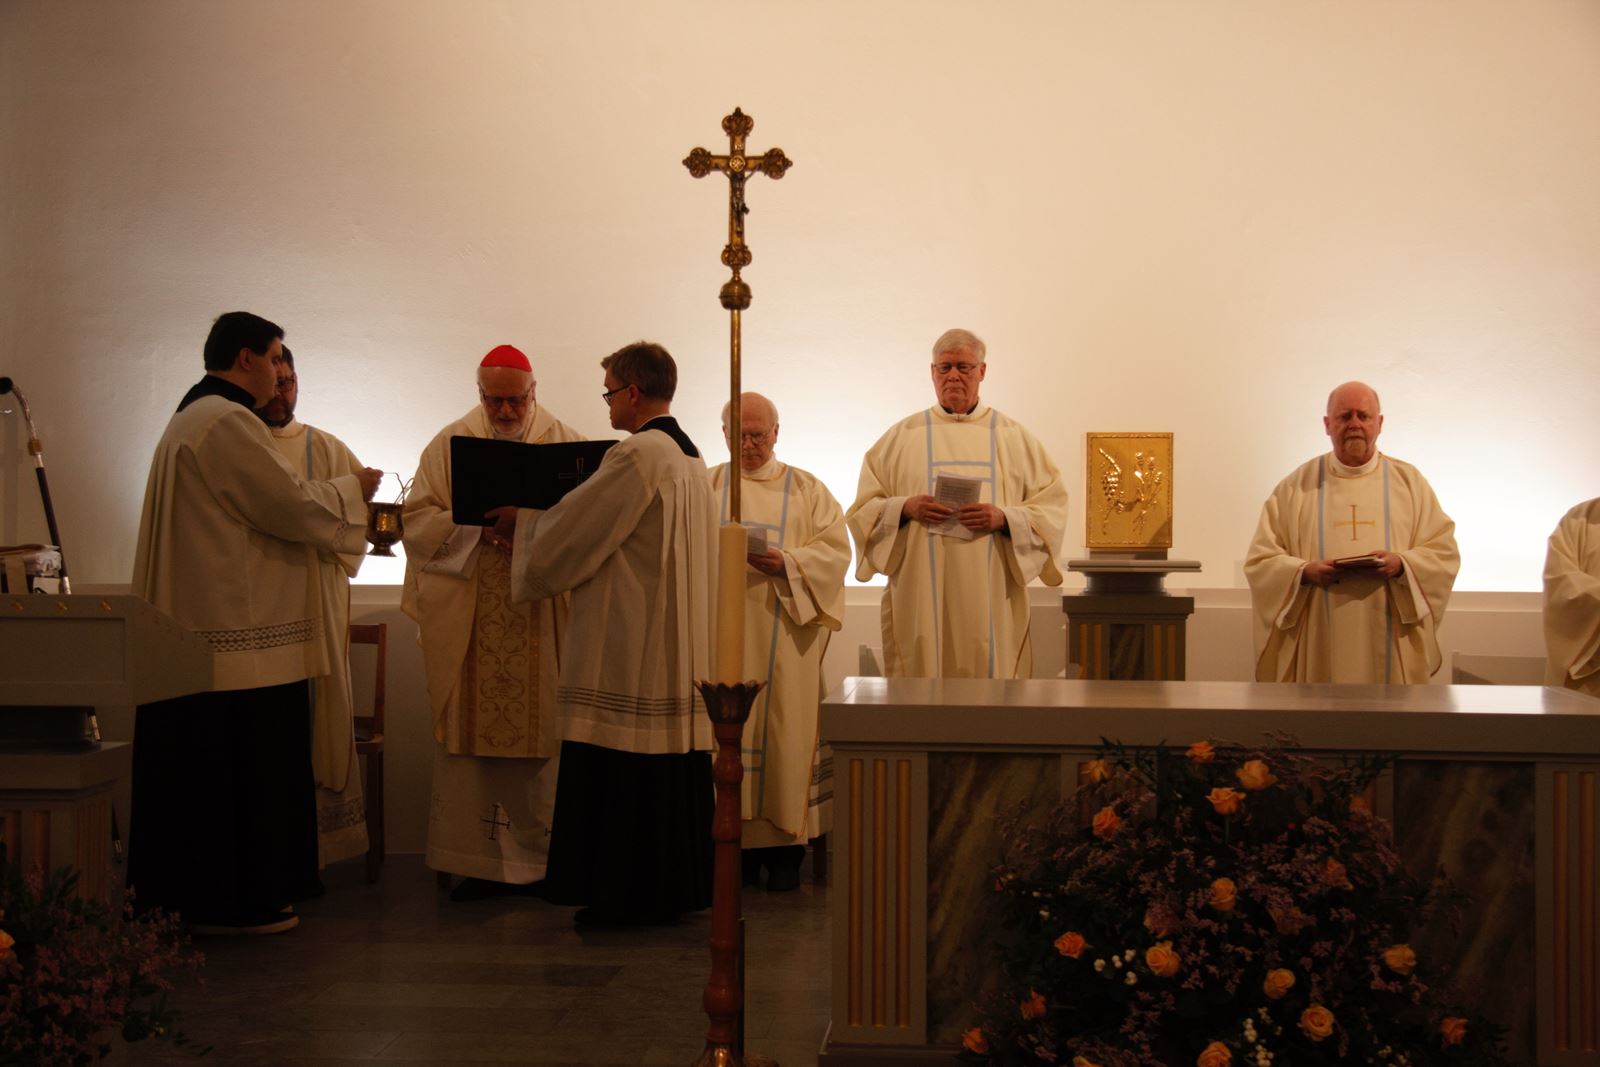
738,167
495,822
1354,522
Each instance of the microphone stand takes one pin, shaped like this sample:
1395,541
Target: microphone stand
36,450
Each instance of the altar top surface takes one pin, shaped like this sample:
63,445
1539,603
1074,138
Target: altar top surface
968,713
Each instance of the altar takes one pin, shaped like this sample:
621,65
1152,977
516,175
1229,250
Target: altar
1494,784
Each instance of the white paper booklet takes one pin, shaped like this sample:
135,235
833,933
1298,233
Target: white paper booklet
755,540
956,491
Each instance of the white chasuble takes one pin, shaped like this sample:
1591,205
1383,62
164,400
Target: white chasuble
491,668
958,608
1364,628
341,816
1572,601
634,545
223,538
788,776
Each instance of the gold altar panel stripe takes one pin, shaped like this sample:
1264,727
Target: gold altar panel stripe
1157,632
880,895
1172,652
40,853
902,903
1083,650
1586,909
853,982
1099,652
1560,1014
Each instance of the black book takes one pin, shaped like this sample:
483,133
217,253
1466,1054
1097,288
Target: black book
485,474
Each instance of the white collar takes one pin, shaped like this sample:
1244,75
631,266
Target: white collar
1341,470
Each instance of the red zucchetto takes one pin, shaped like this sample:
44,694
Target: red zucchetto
507,356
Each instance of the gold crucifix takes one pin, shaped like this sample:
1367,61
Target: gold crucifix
735,294
1354,522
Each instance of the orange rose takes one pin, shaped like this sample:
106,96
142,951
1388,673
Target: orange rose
1083,1061
1215,1054
1162,961
1255,775
1225,800
1201,752
6,941
1452,1029
1033,1007
1106,823
1359,805
974,1041
1097,770
1334,875
1400,959
1071,944
1316,1022
1224,894
1277,984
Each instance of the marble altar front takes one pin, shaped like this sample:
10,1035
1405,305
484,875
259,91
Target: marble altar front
1496,785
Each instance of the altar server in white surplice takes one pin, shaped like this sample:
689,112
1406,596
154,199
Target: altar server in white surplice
491,664
224,820
1572,601
317,455
957,603
794,600
1352,562
632,838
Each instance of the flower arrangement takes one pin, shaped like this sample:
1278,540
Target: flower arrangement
1227,905
73,971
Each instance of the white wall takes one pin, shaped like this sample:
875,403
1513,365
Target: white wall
1190,216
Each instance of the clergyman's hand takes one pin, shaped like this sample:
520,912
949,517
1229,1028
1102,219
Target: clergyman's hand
1391,566
769,562
984,518
503,532
1321,573
926,510
369,478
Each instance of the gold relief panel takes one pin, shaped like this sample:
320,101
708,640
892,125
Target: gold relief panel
1128,487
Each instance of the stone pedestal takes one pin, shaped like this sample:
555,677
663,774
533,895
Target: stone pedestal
1124,625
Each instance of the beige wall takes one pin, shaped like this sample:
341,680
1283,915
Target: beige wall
1188,216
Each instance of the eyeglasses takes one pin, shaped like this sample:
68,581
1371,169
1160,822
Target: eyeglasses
962,369
505,401
609,393
755,438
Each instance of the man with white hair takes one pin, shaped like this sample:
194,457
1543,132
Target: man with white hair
491,665
957,602
1352,562
794,600
1572,601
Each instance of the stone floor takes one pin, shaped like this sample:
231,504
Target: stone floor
396,973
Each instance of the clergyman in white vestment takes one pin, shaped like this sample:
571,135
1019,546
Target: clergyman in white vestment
794,600
317,455
224,822
957,602
632,837
1572,601
1352,562
491,664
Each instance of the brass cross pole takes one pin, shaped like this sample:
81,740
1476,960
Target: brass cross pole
735,294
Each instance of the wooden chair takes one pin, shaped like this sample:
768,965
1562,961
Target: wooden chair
369,741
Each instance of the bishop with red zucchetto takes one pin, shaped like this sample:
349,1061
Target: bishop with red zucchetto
490,664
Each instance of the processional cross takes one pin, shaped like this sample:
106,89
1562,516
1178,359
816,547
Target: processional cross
1354,522
729,697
